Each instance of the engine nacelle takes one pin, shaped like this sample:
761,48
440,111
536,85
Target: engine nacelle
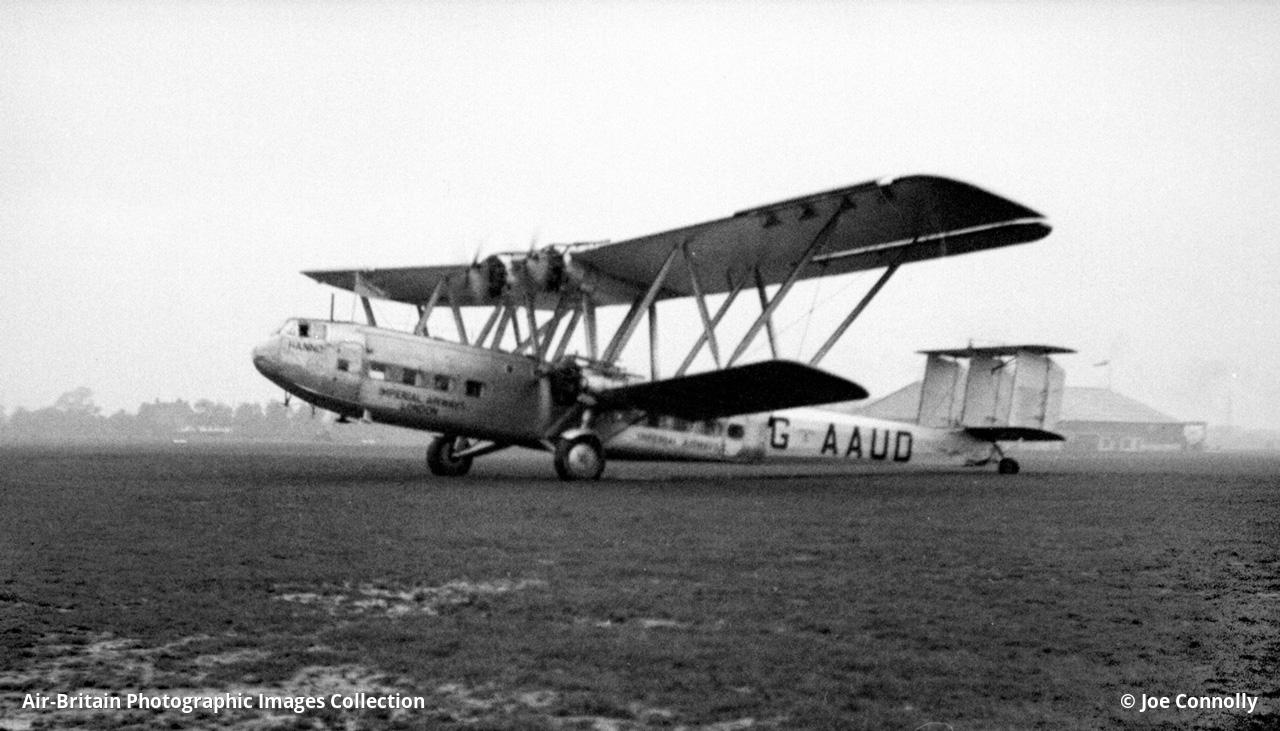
545,269
486,279
566,382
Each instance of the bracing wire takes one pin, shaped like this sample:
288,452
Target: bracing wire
806,316
813,304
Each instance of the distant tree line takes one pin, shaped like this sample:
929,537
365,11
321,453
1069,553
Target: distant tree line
74,417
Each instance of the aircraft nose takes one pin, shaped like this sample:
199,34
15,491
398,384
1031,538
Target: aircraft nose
264,358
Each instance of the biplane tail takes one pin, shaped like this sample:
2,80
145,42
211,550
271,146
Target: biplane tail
1001,393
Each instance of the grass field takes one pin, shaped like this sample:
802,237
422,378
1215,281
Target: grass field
664,596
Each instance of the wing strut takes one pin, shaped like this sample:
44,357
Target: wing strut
515,324
534,330
707,326
653,340
534,340
488,326
632,319
593,337
457,320
768,319
541,337
424,313
502,328
365,290
853,314
568,334
625,328
734,289
818,241
553,327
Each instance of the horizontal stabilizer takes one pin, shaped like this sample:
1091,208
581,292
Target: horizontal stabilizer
998,350
747,389
1012,434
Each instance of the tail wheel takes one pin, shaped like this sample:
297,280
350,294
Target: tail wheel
442,456
579,458
1007,466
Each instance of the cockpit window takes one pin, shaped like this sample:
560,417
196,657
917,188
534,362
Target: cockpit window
290,327
313,330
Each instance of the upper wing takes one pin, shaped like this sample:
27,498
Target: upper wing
879,223
748,389
403,284
873,224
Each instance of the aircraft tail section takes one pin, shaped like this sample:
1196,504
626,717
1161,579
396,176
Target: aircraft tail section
1007,392
942,392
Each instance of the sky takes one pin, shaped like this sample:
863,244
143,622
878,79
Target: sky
168,169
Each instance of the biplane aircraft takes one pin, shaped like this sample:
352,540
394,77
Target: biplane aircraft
514,382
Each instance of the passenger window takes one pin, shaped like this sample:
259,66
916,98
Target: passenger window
443,383
378,371
735,431
475,389
344,365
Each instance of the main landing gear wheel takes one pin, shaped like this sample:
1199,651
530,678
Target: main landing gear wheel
1007,466
579,458
441,456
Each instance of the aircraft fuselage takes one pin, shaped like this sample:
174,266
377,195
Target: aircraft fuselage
392,377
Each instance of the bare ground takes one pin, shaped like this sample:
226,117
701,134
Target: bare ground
665,596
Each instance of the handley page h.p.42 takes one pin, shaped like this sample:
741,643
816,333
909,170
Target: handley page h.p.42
515,382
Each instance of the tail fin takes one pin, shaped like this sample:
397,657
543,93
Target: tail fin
1004,387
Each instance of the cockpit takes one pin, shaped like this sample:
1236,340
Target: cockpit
298,328
267,356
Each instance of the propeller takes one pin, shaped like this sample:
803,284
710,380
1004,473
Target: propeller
486,279
565,380
545,269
